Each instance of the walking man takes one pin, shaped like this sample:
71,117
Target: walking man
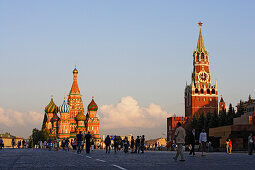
250,144
107,142
79,140
88,138
137,145
203,140
180,141
192,142
142,144
49,144
132,144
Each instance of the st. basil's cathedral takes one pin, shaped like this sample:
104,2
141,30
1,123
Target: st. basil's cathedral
72,119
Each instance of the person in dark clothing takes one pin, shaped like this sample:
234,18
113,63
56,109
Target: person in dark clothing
1,143
23,143
192,142
107,142
88,138
13,143
79,140
155,146
137,144
49,144
67,144
132,144
115,141
126,144
142,143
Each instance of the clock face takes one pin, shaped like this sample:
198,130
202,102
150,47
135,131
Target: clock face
203,76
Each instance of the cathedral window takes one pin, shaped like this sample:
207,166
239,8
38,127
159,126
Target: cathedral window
196,91
208,91
213,91
197,57
202,91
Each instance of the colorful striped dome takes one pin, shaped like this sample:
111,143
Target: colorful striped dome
64,108
51,107
92,106
55,118
80,116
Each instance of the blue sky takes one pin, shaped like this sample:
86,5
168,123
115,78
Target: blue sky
141,49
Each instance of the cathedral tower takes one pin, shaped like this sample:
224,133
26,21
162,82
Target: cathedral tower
201,96
92,122
64,123
50,109
75,103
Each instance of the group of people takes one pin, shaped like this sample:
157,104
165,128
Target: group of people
136,145
180,135
77,144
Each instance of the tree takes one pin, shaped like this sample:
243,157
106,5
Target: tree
38,135
230,115
240,109
223,118
214,120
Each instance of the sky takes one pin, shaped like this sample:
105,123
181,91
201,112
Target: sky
133,56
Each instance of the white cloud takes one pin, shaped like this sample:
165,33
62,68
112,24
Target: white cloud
11,118
128,114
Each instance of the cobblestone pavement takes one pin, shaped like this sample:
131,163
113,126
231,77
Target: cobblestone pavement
98,159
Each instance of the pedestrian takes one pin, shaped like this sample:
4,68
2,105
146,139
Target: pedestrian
142,143
107,142
67,144
49,144
203,140
126,144
88,138
92,145
79,141
74,144
132,144
180,141
63,144
57,144
137,144
45,144
230,146
1,143
115,143
227,145
155,146
23,143
250,144
40,144
13,143
192,142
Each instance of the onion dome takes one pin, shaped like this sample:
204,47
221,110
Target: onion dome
75,70
80,116
55,118
51,107
92,106
64,108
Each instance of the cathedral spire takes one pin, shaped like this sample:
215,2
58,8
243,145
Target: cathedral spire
75,88
200,43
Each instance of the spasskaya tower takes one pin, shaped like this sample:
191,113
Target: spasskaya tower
201,96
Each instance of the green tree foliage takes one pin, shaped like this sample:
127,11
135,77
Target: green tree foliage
38,135
240,109
230,115
201,121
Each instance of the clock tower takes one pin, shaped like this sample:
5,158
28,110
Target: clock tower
201,96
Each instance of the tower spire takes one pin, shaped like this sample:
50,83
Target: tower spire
200,43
